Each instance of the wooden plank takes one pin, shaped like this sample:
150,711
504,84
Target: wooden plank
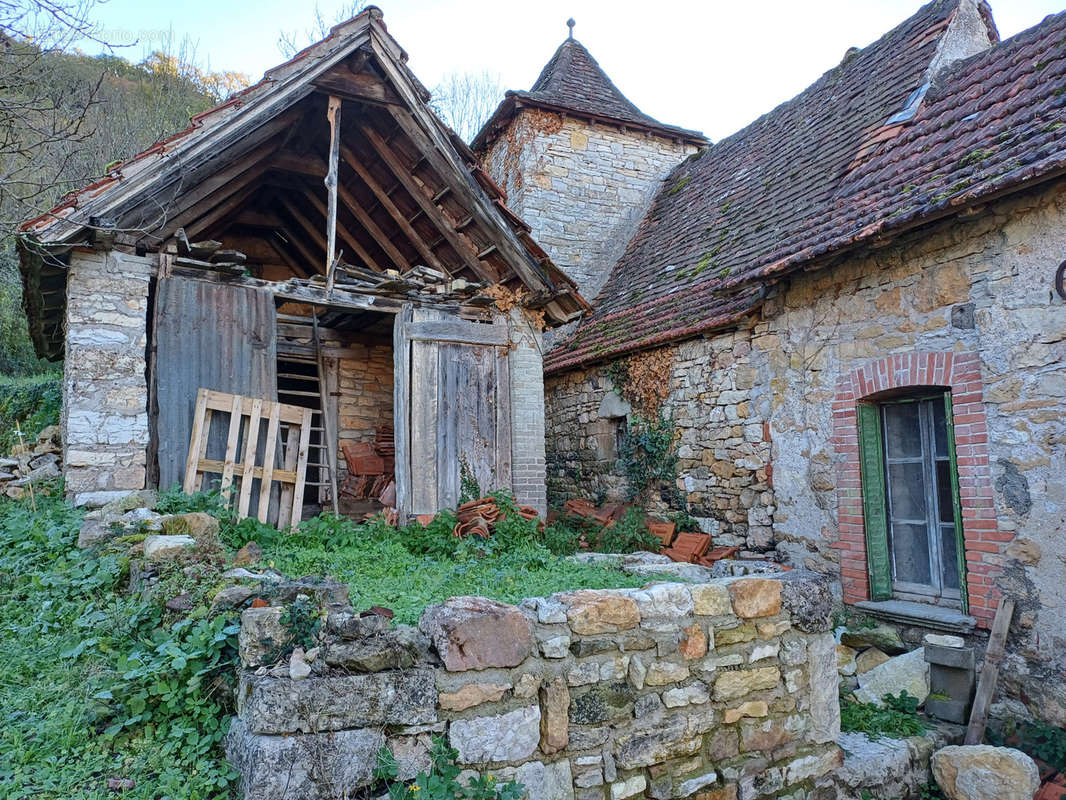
333,115
457,331
429,208
361,86
425,415
327,417
270,453
387,203
287,476
292,452
221,401
986,686
401,368
251,445
378,235
208,415
197,443
449,389
301,469
503,420
230,463
308,227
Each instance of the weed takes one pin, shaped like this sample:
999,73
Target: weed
897,718
442,780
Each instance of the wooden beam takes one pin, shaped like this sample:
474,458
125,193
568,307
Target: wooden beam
287,161
308,227
361,86
383,197
347,235
213,215
291,262
461,246
333,114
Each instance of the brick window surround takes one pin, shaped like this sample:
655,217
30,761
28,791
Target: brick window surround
984,542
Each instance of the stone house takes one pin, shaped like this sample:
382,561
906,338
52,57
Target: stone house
320,239
850,314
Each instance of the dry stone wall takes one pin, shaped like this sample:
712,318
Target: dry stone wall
718,408
105,394
721,691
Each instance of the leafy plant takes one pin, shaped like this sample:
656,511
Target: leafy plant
442,780
647,454
897,718
1039,739
303,620
32,402
469,489
627,535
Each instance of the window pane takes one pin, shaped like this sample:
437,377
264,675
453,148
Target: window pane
943,492
910,552
940,428
949,554
903,436
906,486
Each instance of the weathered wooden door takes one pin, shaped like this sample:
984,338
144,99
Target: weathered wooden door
453,409
213,336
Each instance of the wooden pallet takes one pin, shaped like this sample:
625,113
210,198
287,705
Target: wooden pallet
290,476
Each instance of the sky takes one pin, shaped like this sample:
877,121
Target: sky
710,65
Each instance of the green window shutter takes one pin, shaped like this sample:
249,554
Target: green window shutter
960,546
871,455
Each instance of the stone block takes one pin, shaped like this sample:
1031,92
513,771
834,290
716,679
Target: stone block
279,706
824,689
318,766
755,597
642,748
670,600
601,703
693,642
808,599
908,672
473,694
262,636
553,781
870,658
592,612
695,694
554,719
400,648
735,684
162,548
661,673
753,708
512,736
477,633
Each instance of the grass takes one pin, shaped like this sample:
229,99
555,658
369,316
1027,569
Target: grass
33,402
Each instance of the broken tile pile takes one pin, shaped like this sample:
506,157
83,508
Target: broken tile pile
31,463
479,517
723,689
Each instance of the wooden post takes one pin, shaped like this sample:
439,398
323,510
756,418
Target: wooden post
986,686
333,114
327,419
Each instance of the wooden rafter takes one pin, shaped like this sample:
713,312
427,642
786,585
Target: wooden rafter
309,228
432,212
352,160
348,237
215,214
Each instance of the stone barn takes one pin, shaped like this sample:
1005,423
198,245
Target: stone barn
848,318
320,241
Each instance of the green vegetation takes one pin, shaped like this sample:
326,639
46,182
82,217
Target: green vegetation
897,718
98,683
1038,739
32,402
680,184
647,453
442,781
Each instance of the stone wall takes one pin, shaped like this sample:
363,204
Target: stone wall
719,411
723,691
967,304
583,187
105,394
365,404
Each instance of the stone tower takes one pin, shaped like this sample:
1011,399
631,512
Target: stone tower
579,162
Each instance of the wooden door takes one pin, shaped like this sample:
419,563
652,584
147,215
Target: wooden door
453,419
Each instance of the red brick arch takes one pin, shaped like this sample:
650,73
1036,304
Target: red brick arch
984,541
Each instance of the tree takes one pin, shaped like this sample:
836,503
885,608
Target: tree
466,100
291,42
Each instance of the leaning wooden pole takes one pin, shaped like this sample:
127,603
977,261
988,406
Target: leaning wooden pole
327,417
986,686
333,114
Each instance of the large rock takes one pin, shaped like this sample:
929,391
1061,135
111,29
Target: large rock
982,772
756,597
642,748
671,600
400,648
870,658
883,637
262,636
198,524
319,766
278,705
825,689
477,633
542,781
590,612
45,472
908,672
161,548
505,737
473,694
881,767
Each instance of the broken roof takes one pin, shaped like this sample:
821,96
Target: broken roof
411,191
572,82
825,172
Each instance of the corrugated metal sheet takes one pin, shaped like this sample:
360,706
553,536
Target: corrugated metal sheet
214,336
